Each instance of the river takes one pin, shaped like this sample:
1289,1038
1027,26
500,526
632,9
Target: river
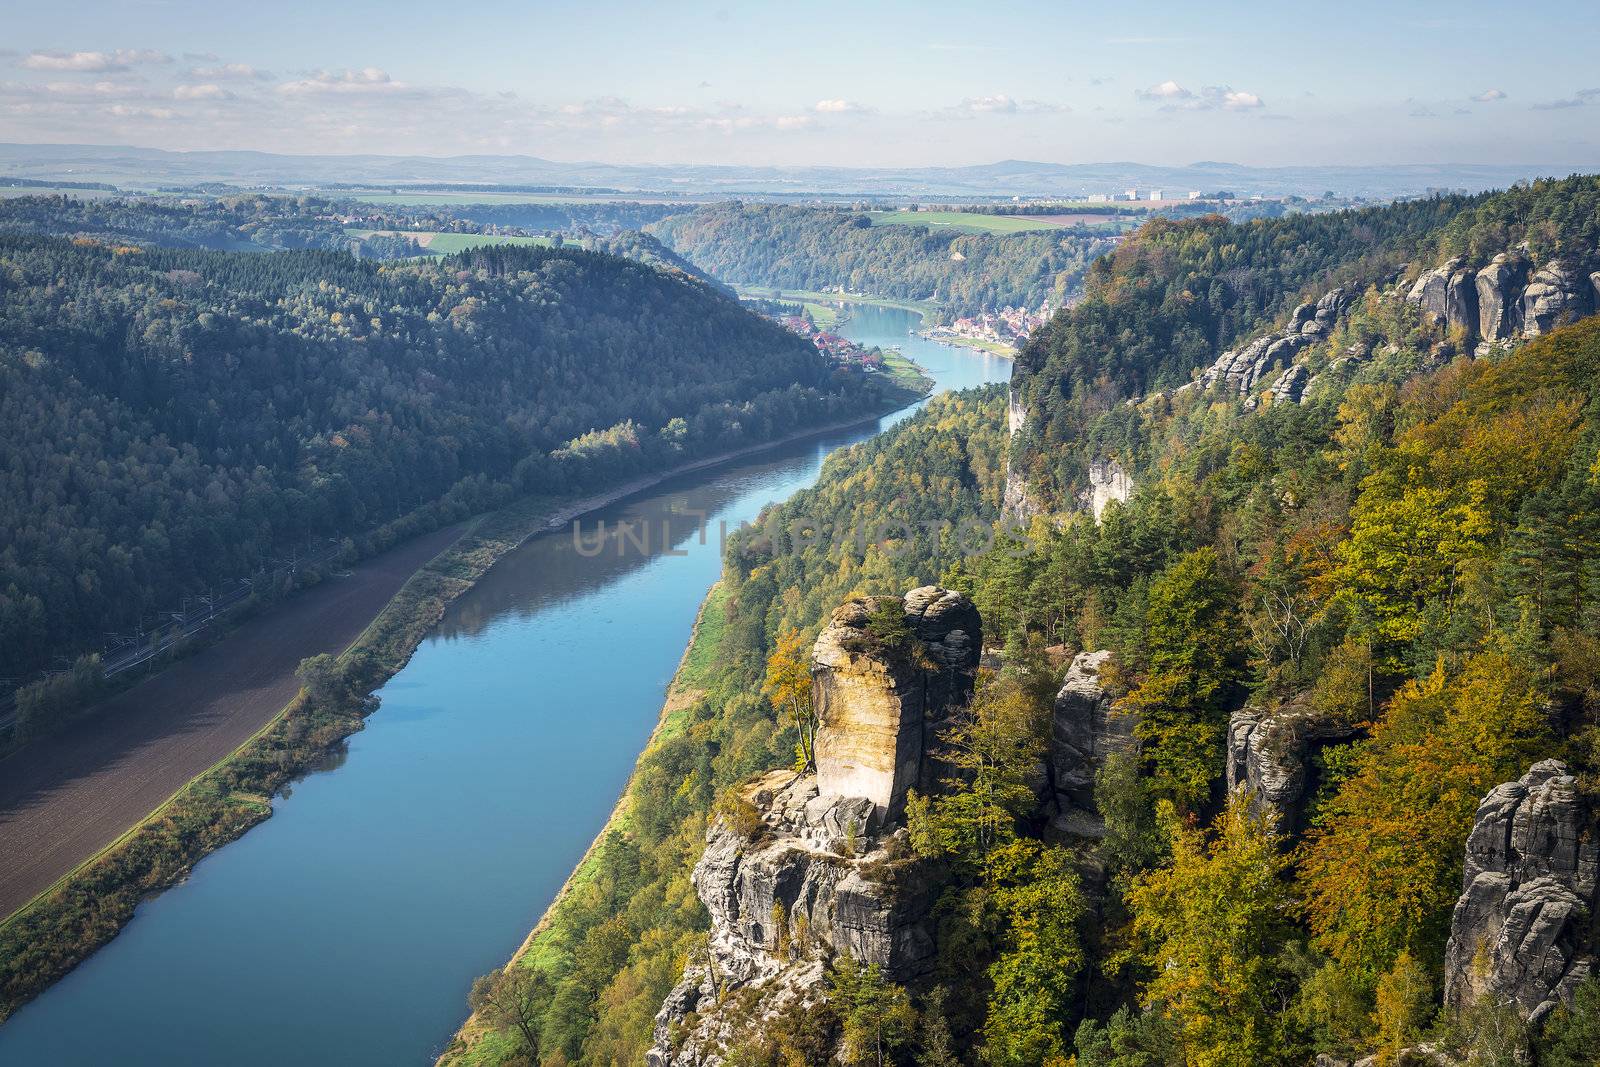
348,927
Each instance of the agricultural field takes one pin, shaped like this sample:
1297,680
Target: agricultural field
819,302
972,222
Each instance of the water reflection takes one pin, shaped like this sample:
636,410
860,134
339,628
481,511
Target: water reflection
349,926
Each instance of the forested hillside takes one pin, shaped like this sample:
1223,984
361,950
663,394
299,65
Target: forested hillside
176,417
814,248
245,223
1174,296
1330,629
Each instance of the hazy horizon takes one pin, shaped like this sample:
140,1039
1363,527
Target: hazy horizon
899,85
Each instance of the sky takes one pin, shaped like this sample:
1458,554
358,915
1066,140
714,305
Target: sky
848,84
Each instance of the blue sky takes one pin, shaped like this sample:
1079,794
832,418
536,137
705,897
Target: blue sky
889,84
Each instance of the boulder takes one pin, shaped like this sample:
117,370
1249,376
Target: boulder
880,709
1558,293
1499,288
1522,931
1270,755
1083,731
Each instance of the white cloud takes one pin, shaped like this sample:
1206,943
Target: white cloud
1174,97
365,80
230,72
1001,104
1488,96
93,62
128,111
208,91
840,107
1167,90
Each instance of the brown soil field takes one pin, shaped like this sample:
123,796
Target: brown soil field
66,797
1079,219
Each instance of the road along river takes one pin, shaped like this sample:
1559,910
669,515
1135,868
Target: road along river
348,927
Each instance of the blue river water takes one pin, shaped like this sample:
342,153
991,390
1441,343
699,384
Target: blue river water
348,927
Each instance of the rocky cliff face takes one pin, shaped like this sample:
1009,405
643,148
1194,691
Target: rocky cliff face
1084,730
812,882
822,865
1271,755
1500,302
1017,503
1449,294
880,709
1523,931
1107,482
1558,293
1241,370
1499,288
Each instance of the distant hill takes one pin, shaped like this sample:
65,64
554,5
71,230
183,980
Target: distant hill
144,166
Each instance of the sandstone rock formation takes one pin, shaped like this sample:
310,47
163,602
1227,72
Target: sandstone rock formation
1448,294
1558,293
880,708
1499,288
1017,502
1291,385
1107,482
1523,931
1241,369
811,883
1084,730
1270,754
820,866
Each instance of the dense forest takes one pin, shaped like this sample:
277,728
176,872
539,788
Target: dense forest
1406,559
248,222
176,417
1173,297
816,248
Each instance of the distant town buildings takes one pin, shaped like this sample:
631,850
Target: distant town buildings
841,350
1155,194
1008,326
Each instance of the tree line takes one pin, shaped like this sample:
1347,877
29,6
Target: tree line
176,417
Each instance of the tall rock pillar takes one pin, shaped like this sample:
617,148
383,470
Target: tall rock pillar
887,672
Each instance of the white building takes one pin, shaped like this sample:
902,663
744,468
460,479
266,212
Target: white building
1194,194
1155,194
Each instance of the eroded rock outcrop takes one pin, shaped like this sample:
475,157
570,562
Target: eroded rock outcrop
1271,754
1108,481
1558,293
805,868
880,708
812,881
1499,286
1085,729
1448,294
1523,931
1017,502
1241,370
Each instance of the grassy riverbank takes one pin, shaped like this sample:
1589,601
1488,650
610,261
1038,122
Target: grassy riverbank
84,910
